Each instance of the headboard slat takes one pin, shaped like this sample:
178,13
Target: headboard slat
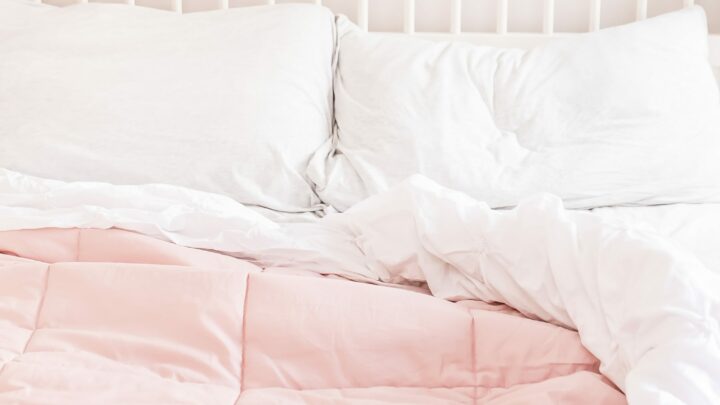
642,10
362,14
456,17
502,17
177,6
595,15
409,16
549,17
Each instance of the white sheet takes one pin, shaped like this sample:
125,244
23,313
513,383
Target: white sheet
645,306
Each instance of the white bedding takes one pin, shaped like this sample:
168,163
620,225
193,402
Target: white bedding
629,115
232,102
645,304
640,284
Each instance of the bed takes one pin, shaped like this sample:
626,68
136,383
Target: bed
271,205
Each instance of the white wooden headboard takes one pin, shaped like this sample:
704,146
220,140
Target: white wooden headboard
501,36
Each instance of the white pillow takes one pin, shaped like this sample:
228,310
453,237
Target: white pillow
16,13
233,102
629,115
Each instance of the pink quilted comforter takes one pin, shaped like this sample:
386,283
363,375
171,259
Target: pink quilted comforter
109,316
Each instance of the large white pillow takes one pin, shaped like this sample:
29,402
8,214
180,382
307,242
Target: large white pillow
233,102
629,115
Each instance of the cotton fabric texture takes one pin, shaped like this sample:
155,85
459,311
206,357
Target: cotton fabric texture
232,102
626,116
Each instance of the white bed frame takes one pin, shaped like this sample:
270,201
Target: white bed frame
501,37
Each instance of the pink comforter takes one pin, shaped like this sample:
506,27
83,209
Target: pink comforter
108,316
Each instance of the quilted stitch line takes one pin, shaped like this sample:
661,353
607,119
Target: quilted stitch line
244,334
77,244
474,358
41,303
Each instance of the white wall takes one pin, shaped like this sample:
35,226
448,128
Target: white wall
433,15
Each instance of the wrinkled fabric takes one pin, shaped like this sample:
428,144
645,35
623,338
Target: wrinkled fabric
110,316
233,102
629,115
643,304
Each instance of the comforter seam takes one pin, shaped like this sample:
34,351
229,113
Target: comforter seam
77,244
473,351
41,303
243,346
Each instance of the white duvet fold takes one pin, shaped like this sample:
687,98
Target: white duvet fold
645,304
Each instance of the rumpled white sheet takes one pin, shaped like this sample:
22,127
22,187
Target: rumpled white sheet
646,305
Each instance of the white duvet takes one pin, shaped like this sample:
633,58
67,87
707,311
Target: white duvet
641,285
